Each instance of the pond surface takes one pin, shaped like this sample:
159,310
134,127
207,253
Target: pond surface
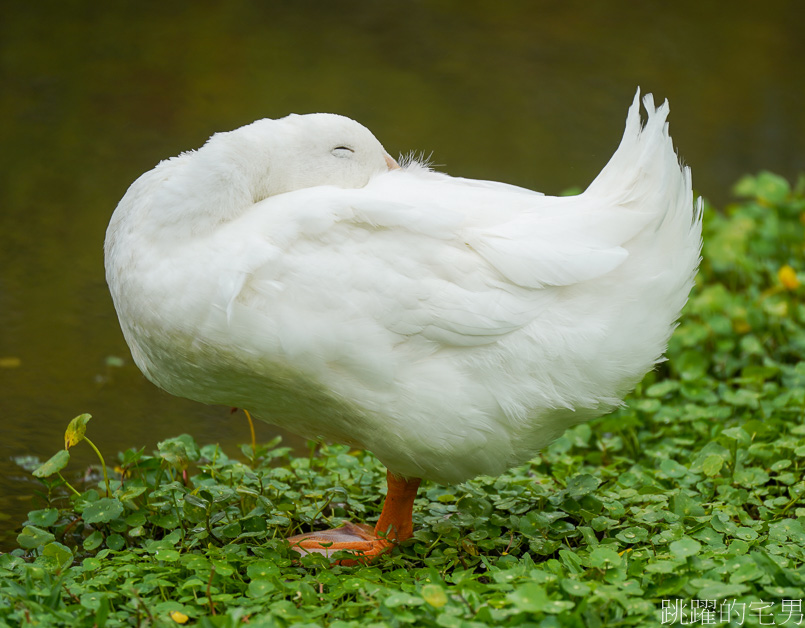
534,94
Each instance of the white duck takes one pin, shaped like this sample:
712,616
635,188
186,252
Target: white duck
453,327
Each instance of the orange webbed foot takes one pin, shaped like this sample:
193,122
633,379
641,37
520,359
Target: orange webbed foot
357,539
366,543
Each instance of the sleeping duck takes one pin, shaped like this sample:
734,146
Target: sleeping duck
451,326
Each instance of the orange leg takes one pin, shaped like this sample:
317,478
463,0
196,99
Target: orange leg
394,526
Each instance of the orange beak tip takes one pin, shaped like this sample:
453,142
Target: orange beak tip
393,165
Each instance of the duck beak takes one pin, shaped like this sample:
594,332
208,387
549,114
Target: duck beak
393,165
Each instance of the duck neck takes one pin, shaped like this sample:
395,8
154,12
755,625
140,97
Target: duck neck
199,196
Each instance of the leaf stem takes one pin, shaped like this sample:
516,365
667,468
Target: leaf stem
251,429
209,592
67,484
103,466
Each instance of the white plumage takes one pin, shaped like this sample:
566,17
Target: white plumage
452,327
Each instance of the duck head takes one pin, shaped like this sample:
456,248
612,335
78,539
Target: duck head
296,152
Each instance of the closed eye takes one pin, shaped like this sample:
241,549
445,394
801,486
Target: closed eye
342,151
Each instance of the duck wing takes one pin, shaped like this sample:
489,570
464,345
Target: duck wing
456,262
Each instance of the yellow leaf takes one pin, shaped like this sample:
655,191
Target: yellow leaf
434,595
788,277
469,547
741,327
76,430
178,617
10,362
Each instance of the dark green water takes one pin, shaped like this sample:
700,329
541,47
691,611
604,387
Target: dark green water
530,93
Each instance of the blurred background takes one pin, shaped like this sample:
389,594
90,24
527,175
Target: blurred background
531,93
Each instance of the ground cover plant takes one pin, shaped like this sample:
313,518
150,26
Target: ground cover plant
684,507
